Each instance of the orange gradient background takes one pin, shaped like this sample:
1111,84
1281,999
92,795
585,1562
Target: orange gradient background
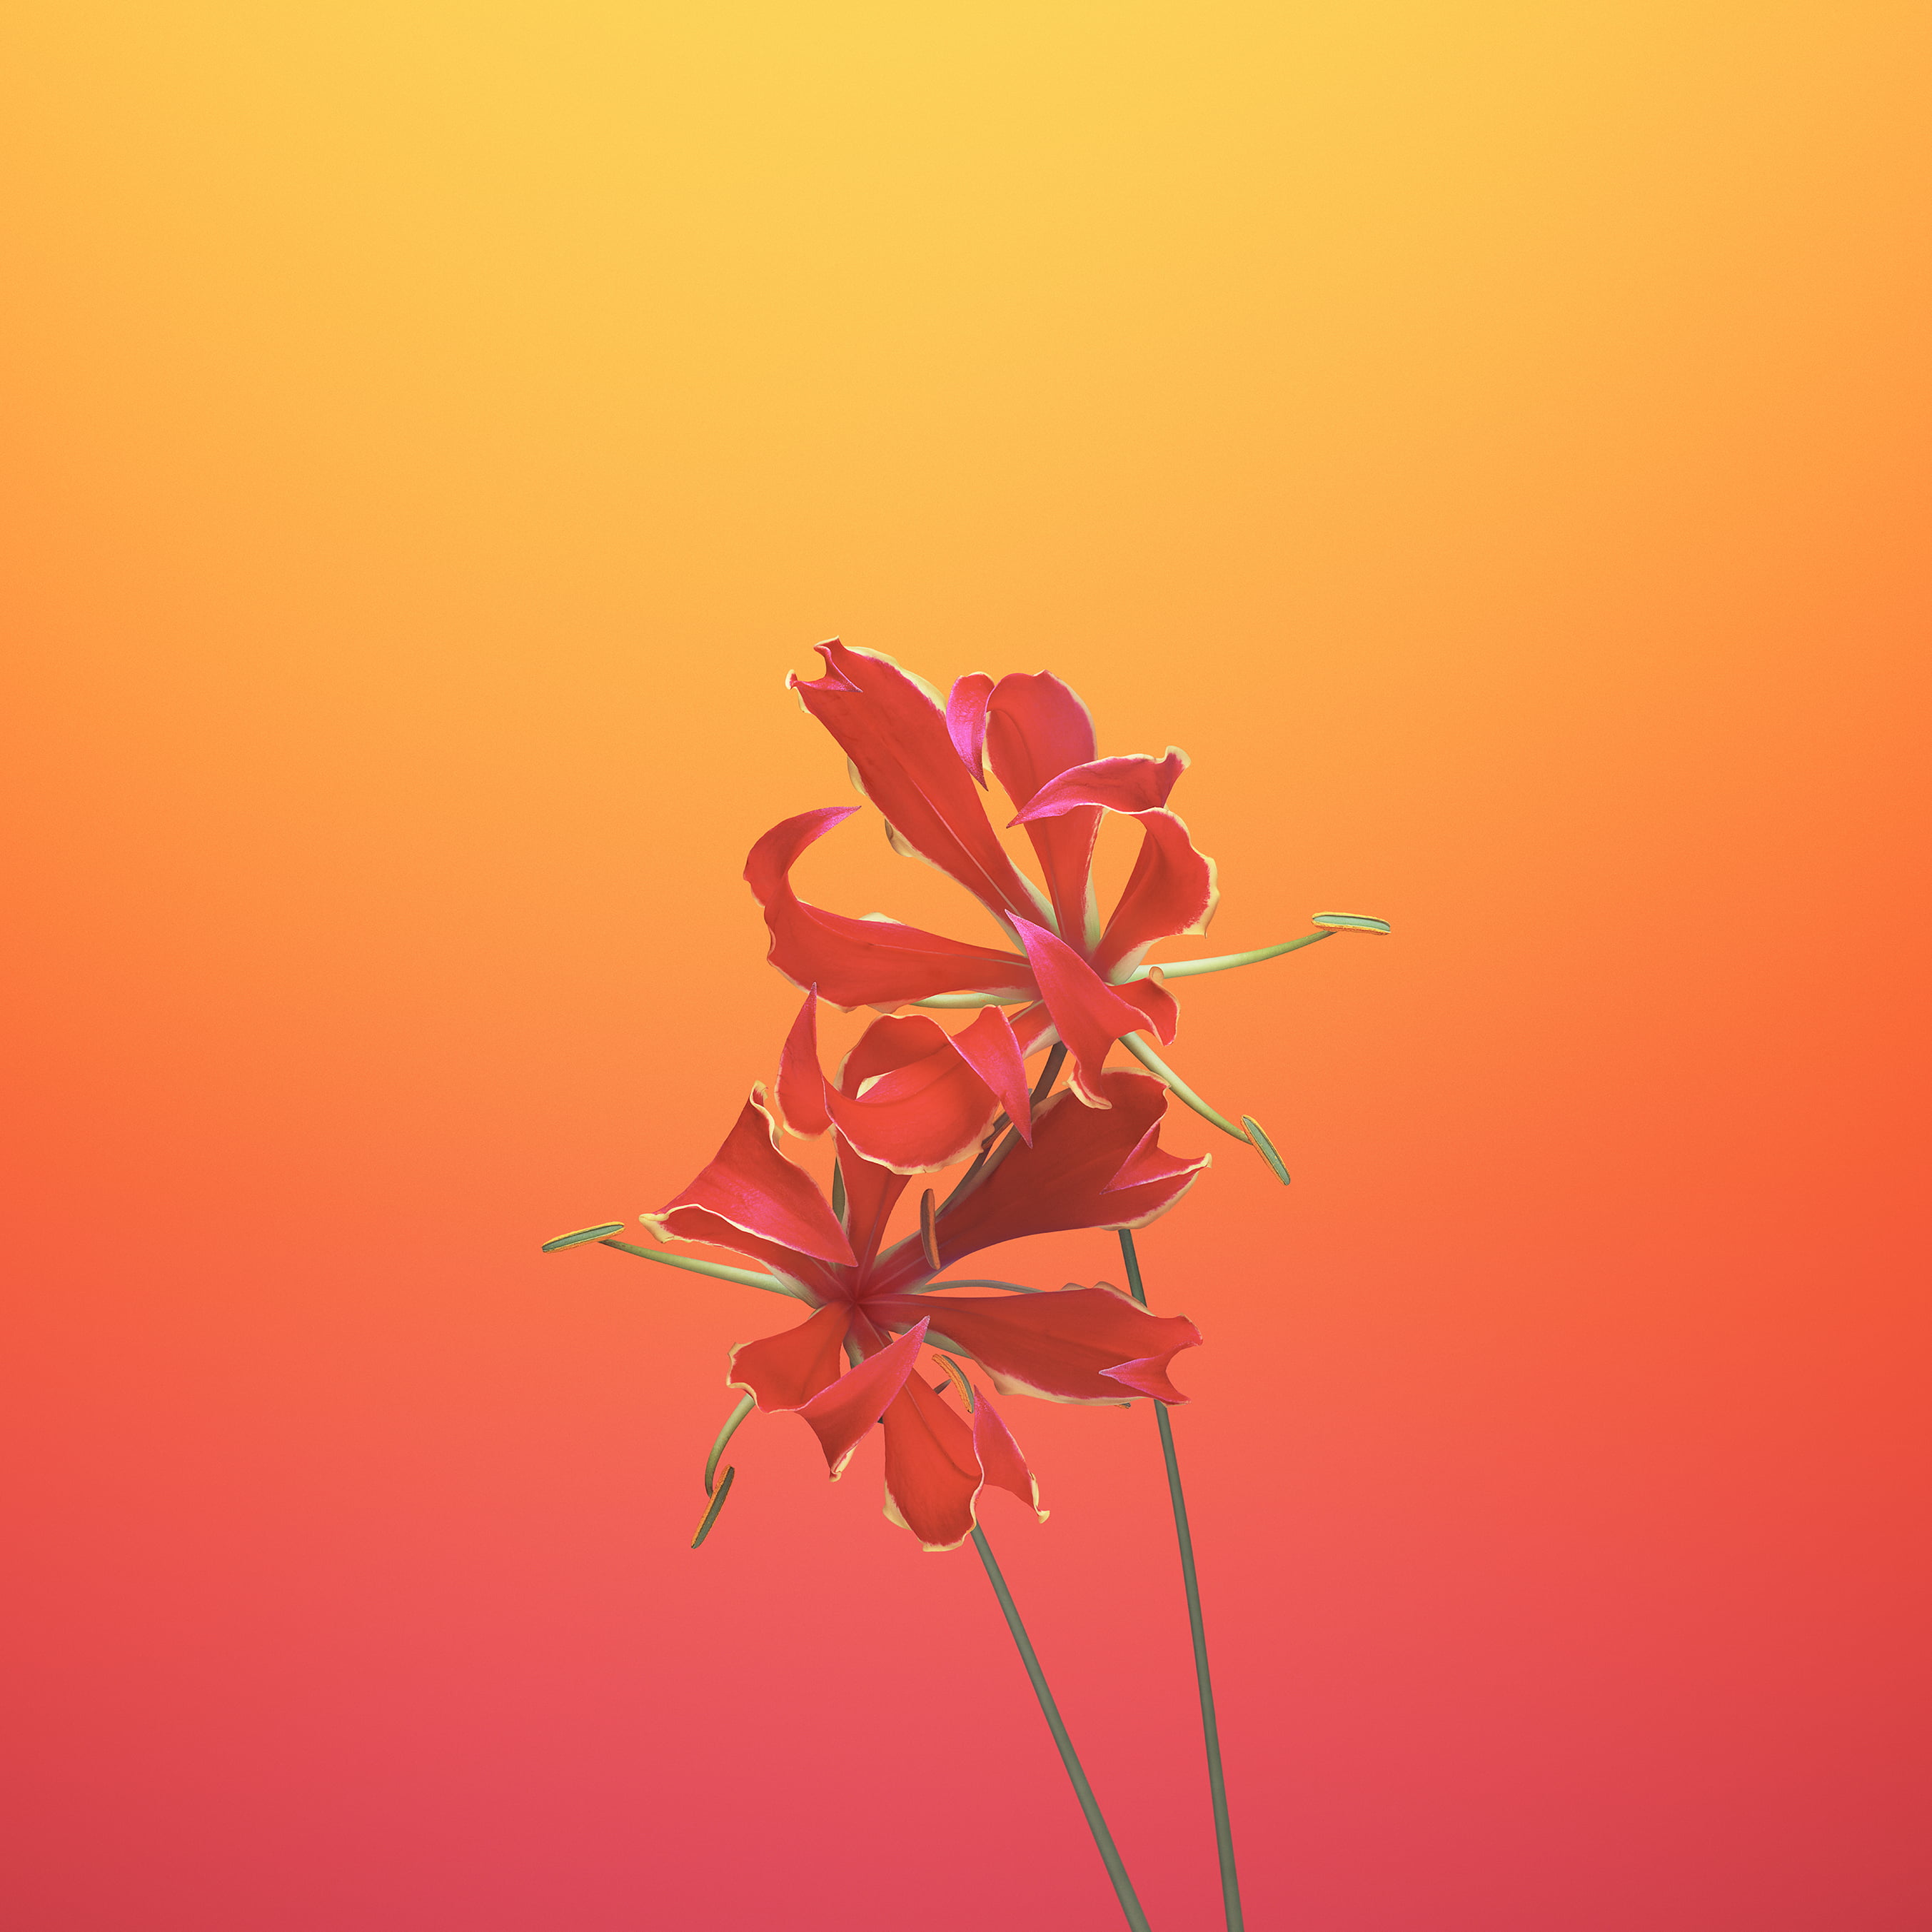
1488,438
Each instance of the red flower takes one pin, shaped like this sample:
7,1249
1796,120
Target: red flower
904,1092
923,762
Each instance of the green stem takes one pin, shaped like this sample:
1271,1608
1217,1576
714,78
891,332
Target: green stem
725,1435
1210,1729
1110,1857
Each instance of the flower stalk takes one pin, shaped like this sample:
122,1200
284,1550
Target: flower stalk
1210,1729
1110,1856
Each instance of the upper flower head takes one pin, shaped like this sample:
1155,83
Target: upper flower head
923,761
900,1093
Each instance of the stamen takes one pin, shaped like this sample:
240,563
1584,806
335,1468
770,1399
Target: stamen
717,1504
929,1229
1161,1071
958,1375
579,1235
1018,1287
1266,1146
725,1435
839,1193
744,1277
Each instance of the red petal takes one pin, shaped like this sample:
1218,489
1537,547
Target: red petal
871,1193
801,1081
1081,1345
1065,1180
786,1371
841,1415
895,735
862,962
752,1186
1170,890
823,1280
918,1118
966,722
999,1458
1131,785
1163,1011
1089,1014
993,1050
932,1473
1037,727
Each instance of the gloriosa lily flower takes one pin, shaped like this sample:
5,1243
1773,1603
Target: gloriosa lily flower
908,1092
1076,980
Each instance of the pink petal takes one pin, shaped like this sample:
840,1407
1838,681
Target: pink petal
990,1046
966,722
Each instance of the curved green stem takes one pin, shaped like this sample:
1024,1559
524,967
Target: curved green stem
724,1436
1210,1729
744,1277
1184,969
955,1000
1110,1856
927,1287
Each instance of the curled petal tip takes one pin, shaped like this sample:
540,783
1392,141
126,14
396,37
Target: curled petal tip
1265,1147
717,1504
578,1236
1348,922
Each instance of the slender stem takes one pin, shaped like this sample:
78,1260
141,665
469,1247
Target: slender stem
1183,969
1110,1857
951,999
1161,1071
745,1277
724,1436
1210,1729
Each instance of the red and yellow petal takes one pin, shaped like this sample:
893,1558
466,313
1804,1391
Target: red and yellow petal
841,1415
1081,1345
1088,1014
1037,728
1131,785
785,1371
801,1079
1004,1465
862,962
893,728
750,1184
1171,890
933,1475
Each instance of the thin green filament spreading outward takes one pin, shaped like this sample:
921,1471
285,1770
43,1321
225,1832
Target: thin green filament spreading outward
725,1435
744,1277
1110,1857
1210,1729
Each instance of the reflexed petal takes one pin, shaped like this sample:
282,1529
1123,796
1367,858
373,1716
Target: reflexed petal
966,722
1081,1345
1171,890
1065,1180
862,962
1131,784
932,1472
820,1280
752,1185
841,1415
918,1119
992,1049
894,733
1000,1457
1162,1011
801,1080
1089,1015
786,1371
1037,728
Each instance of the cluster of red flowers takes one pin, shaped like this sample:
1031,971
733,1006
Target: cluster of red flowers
911,1098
